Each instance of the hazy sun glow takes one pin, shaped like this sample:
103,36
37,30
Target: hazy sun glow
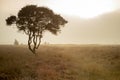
82,8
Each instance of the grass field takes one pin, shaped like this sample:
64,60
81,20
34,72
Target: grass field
60,62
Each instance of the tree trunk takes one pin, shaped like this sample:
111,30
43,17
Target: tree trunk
36,40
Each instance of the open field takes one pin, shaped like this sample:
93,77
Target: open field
60,62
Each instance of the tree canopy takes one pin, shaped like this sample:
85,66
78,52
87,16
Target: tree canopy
34,21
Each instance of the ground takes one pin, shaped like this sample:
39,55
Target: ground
60,62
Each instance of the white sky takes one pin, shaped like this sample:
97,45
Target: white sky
82,8
85,9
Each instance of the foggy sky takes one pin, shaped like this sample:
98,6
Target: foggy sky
103,29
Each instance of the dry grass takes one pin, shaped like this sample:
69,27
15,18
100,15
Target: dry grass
60,62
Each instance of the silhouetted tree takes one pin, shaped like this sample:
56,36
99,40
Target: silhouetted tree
16,42
34,21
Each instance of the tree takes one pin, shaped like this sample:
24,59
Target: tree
34,21
16,42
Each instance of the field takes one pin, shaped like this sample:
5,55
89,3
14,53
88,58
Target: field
60,62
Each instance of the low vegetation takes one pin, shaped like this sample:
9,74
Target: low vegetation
60,62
